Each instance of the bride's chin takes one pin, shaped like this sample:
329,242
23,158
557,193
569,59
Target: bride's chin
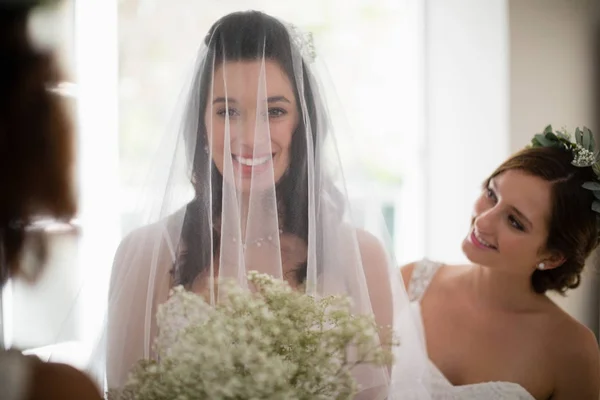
246,186
257,184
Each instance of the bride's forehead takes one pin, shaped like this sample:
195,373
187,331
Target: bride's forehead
248,75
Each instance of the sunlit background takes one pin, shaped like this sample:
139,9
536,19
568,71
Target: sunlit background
436,92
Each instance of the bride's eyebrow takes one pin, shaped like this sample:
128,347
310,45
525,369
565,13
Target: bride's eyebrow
272,99
224,100
277,99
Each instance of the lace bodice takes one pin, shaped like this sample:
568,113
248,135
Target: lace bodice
441,387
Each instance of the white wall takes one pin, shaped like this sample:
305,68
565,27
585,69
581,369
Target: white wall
553,80
466,113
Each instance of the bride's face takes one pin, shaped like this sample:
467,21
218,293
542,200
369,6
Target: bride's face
510,223
250,120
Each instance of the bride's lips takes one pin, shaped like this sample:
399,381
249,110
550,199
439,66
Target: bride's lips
248,165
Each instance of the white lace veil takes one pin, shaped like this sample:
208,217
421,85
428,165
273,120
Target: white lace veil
252,180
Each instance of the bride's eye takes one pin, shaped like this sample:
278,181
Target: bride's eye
227,112
277,112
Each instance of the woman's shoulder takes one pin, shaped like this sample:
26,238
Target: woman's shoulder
375,259
164,233
574,355
564,326
169,226
138,249
369,244
571,337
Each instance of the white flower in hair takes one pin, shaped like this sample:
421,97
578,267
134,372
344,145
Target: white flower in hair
583,157
304,41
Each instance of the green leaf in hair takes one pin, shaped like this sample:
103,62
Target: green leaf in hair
584,153
578,136
596,168
591,185
586,139
592,146
543,141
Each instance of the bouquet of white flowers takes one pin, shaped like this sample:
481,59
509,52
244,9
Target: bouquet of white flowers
270,343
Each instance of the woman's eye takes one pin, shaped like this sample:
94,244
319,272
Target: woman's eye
515,223
277,112
490,194
227,112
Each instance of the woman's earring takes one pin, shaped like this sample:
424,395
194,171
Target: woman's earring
541,266
206,149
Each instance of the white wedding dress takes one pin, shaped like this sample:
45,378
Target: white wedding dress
442,388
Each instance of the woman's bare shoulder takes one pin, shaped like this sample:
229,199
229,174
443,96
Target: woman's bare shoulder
575,358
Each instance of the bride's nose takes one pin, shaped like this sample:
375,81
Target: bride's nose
254,131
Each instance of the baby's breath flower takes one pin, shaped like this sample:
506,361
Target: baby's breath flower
583,157
270,343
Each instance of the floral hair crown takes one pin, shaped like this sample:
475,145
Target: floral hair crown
304,40
584,152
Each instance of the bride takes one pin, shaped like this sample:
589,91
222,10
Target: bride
257,150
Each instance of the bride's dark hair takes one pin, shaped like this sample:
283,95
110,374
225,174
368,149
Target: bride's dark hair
248,36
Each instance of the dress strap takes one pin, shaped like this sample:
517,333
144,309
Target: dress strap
421,277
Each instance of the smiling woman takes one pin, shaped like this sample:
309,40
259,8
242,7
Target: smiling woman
252,182
489,326
549,214
499,207
236,114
